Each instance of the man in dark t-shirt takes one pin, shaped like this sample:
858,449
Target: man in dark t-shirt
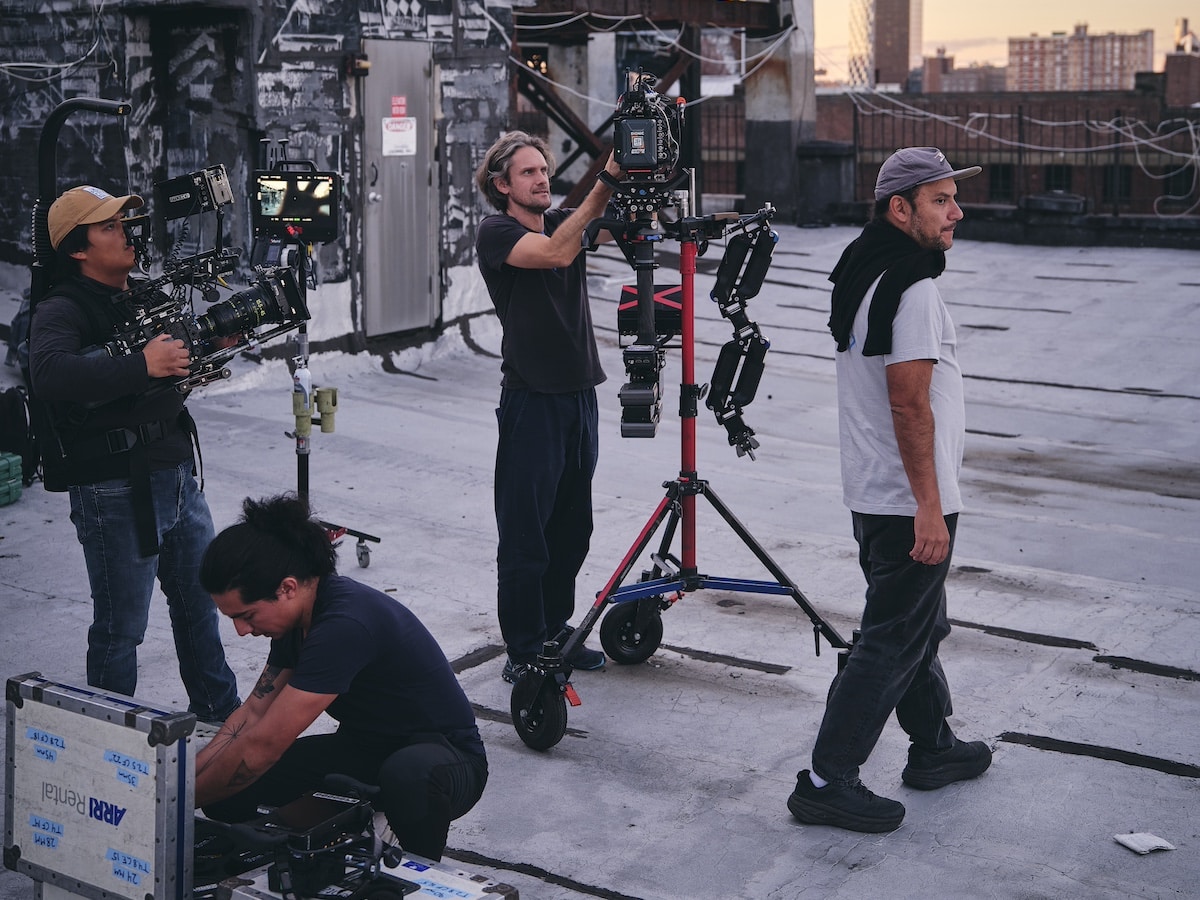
532,262
342,648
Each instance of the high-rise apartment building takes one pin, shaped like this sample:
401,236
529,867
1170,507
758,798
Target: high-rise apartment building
1078,61
885,42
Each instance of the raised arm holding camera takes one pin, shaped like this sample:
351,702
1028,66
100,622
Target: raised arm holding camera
532,261
127,454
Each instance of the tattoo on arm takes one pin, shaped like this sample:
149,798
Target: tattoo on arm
266,681
220,743
242,776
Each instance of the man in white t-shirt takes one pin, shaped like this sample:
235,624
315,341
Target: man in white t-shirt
902,425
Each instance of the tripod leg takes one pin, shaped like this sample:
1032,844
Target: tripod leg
819,624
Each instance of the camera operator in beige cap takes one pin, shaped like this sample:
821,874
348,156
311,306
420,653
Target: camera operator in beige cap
126,455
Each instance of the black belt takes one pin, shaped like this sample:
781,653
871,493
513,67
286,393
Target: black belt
119,440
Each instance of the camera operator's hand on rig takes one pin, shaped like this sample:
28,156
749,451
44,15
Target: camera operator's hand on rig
167,357
613,173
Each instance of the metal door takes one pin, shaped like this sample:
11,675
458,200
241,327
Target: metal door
400,219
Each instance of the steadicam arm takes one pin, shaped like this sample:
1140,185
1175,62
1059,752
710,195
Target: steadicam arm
740,364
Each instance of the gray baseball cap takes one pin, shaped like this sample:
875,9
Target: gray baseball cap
913,166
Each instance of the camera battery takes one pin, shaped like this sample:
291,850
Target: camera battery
202,191
636,144
668,310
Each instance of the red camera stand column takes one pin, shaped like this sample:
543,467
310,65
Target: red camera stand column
633,629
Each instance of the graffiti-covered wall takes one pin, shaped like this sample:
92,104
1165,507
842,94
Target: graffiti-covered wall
209,83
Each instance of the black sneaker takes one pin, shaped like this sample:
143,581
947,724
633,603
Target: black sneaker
586,658
513,670
850,806
581,657
927,771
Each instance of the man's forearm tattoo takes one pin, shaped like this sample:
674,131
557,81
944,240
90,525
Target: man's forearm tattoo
266,681
242,776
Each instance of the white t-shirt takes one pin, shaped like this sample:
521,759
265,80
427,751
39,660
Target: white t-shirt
873,477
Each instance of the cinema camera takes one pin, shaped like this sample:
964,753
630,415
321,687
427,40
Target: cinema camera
164,304
646,143
646,137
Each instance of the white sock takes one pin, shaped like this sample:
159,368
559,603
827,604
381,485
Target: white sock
817,780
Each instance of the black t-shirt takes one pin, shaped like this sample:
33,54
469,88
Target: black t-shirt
548,345
392,679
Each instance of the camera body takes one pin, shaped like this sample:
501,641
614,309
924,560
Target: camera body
160,306
646,132
206,190
163,305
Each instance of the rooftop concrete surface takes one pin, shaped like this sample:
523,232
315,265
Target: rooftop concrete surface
1076,647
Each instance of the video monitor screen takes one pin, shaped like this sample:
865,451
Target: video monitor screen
301,205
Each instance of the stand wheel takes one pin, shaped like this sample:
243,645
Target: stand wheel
539,711
621,638
363,552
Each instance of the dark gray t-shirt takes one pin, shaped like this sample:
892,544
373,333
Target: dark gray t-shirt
549,345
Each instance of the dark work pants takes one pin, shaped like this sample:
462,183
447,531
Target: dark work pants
545,458
425,785
894,663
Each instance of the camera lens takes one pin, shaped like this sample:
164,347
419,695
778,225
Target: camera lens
274,299
241,312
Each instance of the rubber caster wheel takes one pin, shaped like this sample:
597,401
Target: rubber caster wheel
363,552
539,711
621,638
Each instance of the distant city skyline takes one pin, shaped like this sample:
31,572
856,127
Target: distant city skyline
981,35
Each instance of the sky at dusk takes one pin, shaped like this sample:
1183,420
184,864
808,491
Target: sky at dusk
979,32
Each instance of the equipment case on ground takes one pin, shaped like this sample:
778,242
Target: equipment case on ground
99,792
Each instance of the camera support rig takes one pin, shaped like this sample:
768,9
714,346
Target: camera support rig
632,630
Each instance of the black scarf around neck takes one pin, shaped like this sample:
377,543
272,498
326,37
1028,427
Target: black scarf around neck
881,248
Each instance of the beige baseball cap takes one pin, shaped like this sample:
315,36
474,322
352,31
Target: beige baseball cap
85,205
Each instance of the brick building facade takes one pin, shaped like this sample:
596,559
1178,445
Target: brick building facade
1113,152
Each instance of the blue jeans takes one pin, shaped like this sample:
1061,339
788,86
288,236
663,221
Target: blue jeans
894,662
545,458
122,583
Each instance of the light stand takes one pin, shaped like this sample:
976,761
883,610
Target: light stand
632,630
286,245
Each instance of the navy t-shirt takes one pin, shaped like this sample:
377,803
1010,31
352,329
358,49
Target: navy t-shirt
548,345
392,679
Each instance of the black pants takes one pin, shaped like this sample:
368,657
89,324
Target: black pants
545,458
425,784
894,664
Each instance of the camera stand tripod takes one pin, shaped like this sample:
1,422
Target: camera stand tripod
290,236
633,630
324,401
